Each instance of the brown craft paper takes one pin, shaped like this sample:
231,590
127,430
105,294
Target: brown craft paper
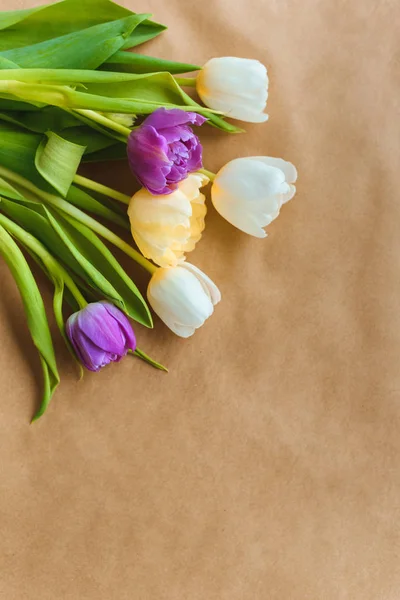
265,465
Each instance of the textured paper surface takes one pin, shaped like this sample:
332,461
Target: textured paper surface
265,466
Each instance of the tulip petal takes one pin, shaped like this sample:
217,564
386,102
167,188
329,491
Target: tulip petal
172,117
236,86
208,285
288,168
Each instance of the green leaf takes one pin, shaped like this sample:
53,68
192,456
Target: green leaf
130,62
27,27
94,250
49,118
11,17
141,95
84,49
6,189
114,152
107,210
84,253
17,152
33,218
35,313
54,271
57,160
5,63
105,91
92,140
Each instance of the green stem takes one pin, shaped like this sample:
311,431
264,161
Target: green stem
102,189
41,252
209,174
143,356
79,215
103,120
186,81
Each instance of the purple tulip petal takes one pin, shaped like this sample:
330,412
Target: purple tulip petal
171,117
100,333
126,328
164,149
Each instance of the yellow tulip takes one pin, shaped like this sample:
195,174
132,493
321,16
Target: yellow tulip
166,227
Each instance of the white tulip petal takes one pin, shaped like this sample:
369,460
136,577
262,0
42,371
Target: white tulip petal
183,297
247,180
288,168
207,283
249,192
236,86
247,115
183,331
289,195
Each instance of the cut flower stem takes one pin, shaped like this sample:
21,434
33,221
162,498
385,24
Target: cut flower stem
102,189
209,174
186,81
103,120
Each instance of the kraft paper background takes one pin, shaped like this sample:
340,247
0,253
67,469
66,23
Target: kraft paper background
266,464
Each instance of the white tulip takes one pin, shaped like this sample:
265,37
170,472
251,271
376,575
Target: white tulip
165,227
183,297
236,86
249,192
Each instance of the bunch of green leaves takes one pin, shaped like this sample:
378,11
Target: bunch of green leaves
88,35
50,217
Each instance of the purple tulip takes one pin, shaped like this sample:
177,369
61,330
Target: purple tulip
100,333
164,149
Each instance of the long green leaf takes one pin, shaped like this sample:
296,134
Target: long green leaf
153,91
27,27
92,248
41,120
35,313
104,91
32,217
131,62
114,152
54,271
57,160
82,250
84,49
17,152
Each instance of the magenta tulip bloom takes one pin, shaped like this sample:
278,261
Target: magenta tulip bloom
100,333
164,149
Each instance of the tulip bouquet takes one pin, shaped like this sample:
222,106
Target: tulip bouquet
73,90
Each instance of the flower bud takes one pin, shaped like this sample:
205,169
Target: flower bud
249,192
100,333
164,149
183,297
236,86
165,227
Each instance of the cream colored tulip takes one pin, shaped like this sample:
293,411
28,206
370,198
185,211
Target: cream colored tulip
249,192
166,227
183,297
236,86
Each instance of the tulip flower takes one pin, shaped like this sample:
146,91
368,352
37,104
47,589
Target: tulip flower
164,149
249,192
236,86
100,334
183,297
165,227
